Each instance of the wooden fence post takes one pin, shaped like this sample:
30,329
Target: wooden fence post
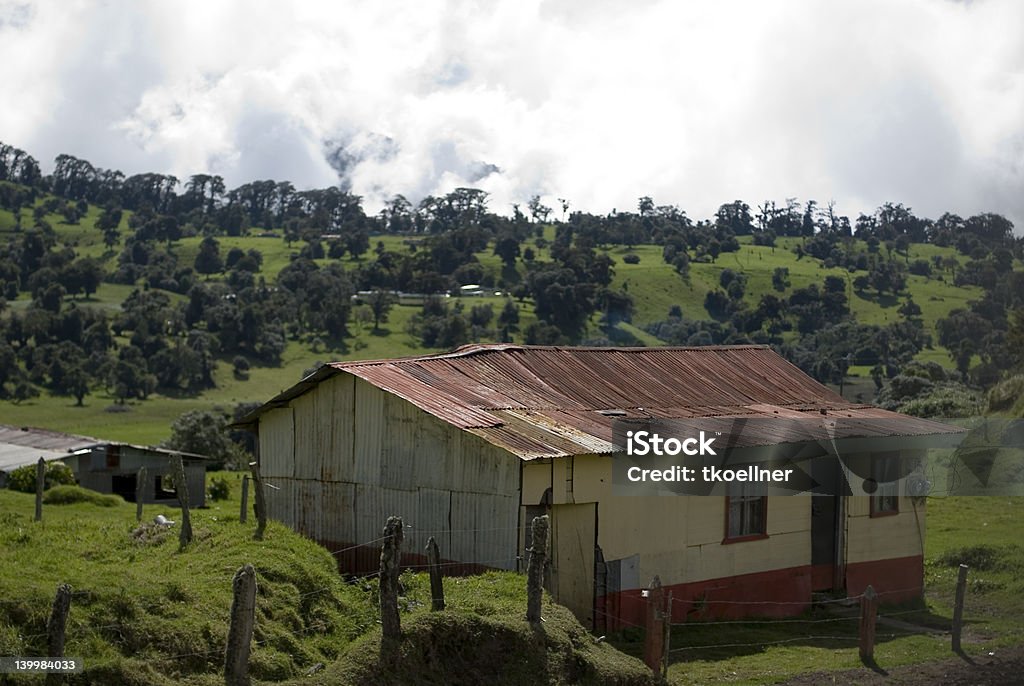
958,607
243,514
243,619
665,644
55,628
140,492
181,488
436,582
259,503
868,613
390,561
40,484
654,636
535,567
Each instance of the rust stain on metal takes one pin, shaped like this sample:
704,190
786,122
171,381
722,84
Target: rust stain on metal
547,401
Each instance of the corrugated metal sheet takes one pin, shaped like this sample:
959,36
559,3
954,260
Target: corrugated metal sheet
25,445
14,456
277,443
543,401
45,439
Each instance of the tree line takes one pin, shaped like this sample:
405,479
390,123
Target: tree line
159,342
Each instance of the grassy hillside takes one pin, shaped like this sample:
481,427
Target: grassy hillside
654,286
145,612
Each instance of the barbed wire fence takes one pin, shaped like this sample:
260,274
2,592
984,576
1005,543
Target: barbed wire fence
660,606
657,627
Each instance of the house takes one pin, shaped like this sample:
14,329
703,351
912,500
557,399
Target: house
104,466
469,446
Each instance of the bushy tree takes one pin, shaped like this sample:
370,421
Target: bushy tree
205,432
208,260
23,479
380,303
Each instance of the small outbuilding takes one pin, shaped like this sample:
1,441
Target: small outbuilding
104,466
469,446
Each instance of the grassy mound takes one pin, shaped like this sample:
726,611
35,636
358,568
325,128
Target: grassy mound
145,612
69,495
983,557
456,648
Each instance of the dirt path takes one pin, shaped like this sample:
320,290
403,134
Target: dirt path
1004,668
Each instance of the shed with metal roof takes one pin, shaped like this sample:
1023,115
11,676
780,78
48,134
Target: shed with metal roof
468,446
102,465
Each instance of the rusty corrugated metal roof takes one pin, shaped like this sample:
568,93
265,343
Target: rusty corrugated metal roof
546,401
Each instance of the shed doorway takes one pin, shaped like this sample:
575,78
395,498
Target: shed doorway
827,516
124,486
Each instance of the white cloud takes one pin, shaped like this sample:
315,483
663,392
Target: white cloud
914,101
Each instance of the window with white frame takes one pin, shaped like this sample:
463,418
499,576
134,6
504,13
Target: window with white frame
746,510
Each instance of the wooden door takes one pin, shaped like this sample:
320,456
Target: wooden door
573,540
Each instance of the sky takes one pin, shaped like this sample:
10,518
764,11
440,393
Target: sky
599,102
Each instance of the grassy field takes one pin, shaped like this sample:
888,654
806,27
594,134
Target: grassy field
654,286
140,602
146,612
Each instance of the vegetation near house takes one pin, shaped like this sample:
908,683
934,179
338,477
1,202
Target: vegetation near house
23,479
139,605
220,488
204,432
69,495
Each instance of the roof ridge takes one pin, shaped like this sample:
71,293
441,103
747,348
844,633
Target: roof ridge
481,348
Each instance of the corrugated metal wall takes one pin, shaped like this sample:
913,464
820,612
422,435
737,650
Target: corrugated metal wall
346,455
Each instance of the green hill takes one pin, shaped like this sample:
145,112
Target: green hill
652,284
145,612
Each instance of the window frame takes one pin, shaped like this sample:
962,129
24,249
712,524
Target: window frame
878,469
754,536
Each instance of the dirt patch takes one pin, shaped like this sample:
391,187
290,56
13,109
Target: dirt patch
151,534
1004,667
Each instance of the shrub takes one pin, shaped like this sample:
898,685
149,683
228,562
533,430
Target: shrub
220,489
24,478
1005,395
240,367
982,557
631,258
69,495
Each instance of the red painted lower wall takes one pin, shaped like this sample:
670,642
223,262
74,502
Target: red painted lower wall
896,580
775,593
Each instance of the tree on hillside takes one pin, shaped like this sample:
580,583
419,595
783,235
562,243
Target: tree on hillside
538,210
508,319
380,303
357,243
128,377
780,279
888,275
507,248
82,276
208,259
108,222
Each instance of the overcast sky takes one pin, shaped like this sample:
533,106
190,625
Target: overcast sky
599,102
